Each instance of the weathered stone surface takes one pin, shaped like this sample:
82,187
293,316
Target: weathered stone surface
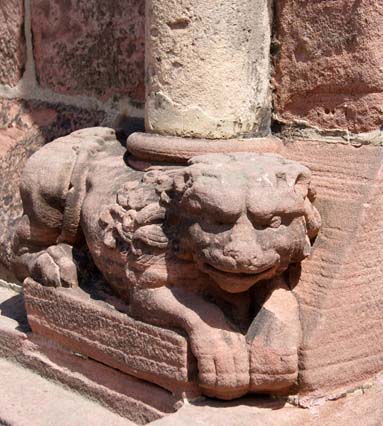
363,407
12,43
200,248
137,400
329,65
93,48
339,291
152,147
127,396
25,126
208,68
100,332
48,403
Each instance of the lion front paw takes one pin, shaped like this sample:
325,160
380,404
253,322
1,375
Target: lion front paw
272,369
55,267
223,363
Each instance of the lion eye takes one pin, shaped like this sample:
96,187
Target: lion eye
224,221
275,222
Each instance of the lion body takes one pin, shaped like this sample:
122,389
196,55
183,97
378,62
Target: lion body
185,247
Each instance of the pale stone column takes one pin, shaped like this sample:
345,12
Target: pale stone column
208,67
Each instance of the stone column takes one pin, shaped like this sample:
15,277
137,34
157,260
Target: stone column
207,68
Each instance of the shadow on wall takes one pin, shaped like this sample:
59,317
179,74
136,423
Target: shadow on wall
14,308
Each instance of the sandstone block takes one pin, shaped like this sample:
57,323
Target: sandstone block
358,408
339,289
137,400
72,319
329,68
62,409
93,48
12,42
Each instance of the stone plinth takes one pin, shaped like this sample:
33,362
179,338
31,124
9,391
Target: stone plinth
73,319
329,63
139,401
61,407
339,291
207,68
339,287
93,48
12,42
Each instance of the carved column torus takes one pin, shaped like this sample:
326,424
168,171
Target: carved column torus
207,68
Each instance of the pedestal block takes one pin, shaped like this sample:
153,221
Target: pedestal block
94,329
340,286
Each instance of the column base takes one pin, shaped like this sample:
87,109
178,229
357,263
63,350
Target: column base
173,149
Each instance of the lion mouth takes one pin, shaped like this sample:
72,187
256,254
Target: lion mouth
238,281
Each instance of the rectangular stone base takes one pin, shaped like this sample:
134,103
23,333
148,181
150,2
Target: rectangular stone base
97,330
132,398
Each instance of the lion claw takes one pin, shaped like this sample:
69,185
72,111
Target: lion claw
223,364
55,267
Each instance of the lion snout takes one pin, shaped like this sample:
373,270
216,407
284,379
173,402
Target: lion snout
243,253
249,257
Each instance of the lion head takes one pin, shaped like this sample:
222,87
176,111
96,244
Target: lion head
244,217
239,218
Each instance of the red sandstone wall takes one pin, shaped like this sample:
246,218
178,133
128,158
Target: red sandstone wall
12,44
329,63
90,47
86,53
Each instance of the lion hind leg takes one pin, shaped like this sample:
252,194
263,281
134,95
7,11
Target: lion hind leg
37,255
53,189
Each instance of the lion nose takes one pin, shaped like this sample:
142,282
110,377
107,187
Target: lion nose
244,252
243,246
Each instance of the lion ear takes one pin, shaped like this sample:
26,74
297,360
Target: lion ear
184,178
301,181
313,219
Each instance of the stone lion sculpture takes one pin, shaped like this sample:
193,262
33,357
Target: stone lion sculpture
201,248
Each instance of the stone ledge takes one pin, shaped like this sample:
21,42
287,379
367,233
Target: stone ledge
31,400
134,399
97,330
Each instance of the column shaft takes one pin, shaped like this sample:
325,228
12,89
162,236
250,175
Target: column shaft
208,67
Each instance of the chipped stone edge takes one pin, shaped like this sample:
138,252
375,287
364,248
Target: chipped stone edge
17,288
315,401
303,130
